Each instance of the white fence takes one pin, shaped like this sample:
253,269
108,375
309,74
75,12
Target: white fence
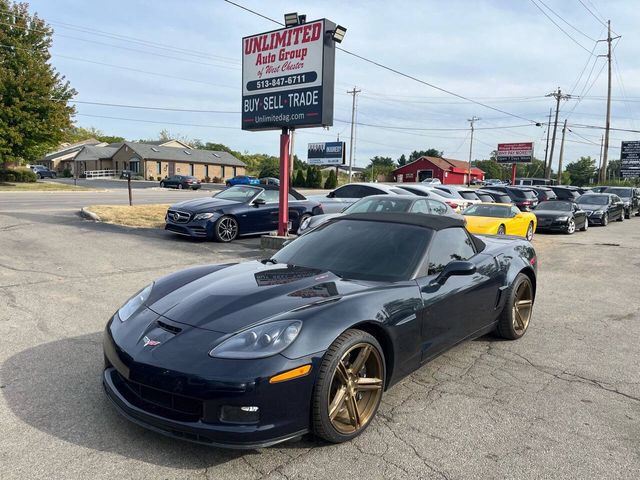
101,173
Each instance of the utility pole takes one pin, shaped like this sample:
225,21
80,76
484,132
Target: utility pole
353,92
546,149
600,159
471,120
564,129
605,155
558,95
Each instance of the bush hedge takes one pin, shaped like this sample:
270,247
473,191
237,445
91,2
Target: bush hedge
18,175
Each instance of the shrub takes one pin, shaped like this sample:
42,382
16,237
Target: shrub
216,180
206,179
159,179
66,173
152,178
332,181
20,175
299,180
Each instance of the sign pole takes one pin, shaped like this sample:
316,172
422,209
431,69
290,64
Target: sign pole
514,169
283,207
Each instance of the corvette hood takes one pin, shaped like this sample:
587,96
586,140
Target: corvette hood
483,223
202,204
240,295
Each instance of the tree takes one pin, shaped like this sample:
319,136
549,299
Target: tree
314,177
582,171
269,167
332,181
432,152
379,166
299,180
402,160
77,134
491,169
34,113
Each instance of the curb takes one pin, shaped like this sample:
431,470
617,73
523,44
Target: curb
89,215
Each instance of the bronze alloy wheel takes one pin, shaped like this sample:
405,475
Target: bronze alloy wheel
522,307
356,389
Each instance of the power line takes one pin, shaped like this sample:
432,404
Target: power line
561,29
145,107
592,14
140,120
567,23
397,72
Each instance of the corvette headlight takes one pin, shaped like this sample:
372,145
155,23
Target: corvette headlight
562,219
305,224
259,342
134,303
203,216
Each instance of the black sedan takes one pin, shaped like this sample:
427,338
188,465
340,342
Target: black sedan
385,204
630,198
251,354
601,208
560,216
180,182
237,211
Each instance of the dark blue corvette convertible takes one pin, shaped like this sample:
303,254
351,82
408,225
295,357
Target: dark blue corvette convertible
237,211
251,354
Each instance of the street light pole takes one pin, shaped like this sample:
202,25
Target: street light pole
471,120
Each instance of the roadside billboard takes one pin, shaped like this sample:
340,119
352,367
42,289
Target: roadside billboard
288,77
515,152
630,159
326,153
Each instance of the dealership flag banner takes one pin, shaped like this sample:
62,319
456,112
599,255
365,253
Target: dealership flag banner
630,159
515,152
288,77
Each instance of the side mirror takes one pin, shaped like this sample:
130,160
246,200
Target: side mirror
258,201
456,267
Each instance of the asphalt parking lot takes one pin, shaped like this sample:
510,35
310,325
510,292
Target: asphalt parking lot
563,402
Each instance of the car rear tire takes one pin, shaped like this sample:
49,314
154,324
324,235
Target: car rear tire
621,218
516,314
502,230
226,229
571,227
530,231
627,214
348,387
180,187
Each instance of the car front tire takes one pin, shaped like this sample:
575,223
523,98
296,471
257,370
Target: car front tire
180,187
571,227
605,220
349,387
225,229
585,226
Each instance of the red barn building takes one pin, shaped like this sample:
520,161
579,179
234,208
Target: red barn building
448,171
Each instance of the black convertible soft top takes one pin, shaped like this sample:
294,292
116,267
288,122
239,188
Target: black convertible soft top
434,222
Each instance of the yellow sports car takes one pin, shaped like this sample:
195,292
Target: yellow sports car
500,219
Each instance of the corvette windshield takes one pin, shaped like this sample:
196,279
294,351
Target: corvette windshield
559,206
497,211
360,250
238,194
593,200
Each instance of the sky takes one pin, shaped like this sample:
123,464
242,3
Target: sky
505,54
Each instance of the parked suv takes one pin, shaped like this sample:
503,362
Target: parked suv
543,193
565,193
630,198
43,172
524,198
498,197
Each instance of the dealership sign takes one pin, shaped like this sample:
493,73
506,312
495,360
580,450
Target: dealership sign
288,76
515,152
327,153
630,159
